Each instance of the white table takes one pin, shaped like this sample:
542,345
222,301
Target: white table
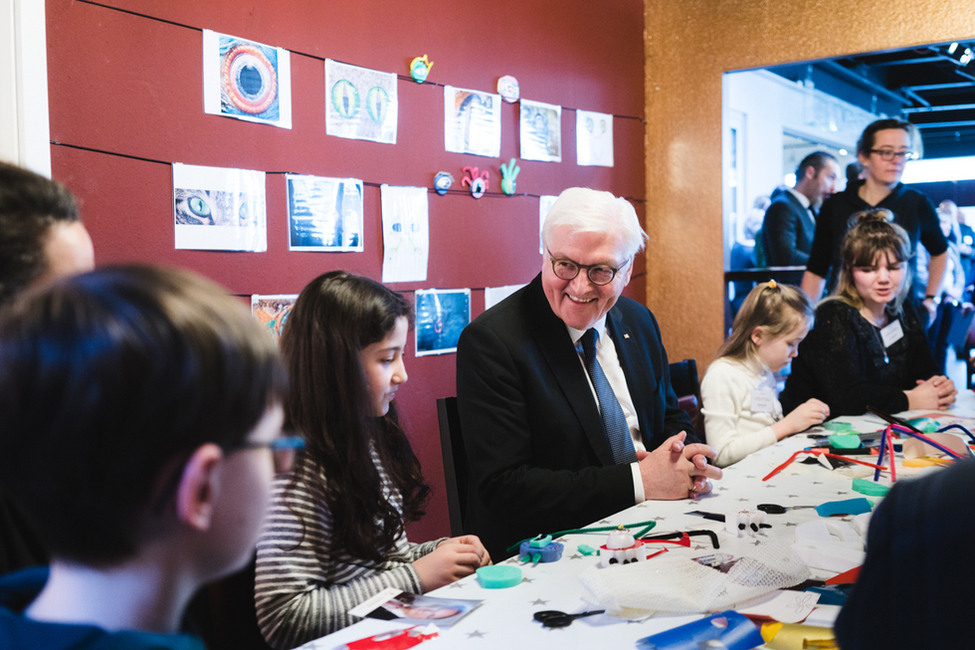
504,620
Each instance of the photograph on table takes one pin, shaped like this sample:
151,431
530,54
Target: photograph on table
392,604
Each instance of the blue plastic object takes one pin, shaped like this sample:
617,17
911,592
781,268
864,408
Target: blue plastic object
845,507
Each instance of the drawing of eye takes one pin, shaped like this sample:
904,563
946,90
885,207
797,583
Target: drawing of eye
397,227
345,98
377,100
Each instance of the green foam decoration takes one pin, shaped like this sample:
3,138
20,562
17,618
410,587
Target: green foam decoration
926,425
499,576
837,426
868,487
585,549
844,441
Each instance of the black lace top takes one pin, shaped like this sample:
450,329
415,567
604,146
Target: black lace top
842,363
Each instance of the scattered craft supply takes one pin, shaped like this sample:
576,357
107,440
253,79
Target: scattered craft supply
821,452
845,507
585,549
541,549
555,618
871,489
498,576
621,548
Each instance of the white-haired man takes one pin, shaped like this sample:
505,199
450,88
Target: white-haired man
564,392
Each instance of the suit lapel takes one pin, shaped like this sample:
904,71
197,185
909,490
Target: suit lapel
557,348
639,376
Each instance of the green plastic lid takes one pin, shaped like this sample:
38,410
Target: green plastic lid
499,576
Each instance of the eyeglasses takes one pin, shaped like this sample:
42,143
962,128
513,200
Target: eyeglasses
283,451
599,274
890,154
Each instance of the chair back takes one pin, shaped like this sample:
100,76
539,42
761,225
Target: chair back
456,469
684,379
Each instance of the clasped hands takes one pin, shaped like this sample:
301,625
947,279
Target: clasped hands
677,471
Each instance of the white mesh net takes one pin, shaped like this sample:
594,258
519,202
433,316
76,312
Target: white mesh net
678,585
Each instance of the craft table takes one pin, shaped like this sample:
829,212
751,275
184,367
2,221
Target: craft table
504,620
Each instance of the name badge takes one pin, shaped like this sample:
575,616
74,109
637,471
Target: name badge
892,333
763,400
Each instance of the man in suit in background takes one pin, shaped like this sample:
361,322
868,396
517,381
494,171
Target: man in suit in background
790,221
564,392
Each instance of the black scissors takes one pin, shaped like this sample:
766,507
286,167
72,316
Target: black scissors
555,618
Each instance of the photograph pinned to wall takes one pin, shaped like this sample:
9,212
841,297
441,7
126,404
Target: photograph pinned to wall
545,203
219,208
541,131
246,80
594,139
272,311
441,314
360,103
324,214
472,122
406,233
494,295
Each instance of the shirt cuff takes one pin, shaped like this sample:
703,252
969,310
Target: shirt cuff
639,496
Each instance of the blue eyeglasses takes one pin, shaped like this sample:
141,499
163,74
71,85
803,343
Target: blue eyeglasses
283,450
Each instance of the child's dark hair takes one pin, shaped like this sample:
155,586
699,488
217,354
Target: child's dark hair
336,316
776,308
29,205
872,233
108,382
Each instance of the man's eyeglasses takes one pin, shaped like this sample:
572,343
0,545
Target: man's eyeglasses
283,450
599,274
890,154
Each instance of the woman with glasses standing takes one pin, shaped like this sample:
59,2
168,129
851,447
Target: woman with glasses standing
334,535
883,149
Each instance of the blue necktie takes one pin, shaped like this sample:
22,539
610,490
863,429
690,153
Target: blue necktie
614,422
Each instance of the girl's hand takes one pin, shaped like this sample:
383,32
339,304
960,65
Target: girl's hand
449,562
474,541
806,415
938,392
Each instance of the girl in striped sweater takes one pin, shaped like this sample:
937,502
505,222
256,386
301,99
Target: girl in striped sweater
334,535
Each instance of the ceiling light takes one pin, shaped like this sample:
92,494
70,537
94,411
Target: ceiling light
961,54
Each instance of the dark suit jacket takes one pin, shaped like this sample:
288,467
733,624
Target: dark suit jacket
788,230
539,459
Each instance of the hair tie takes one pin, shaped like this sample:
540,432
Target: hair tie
772,284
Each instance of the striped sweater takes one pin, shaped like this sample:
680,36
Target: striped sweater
302,592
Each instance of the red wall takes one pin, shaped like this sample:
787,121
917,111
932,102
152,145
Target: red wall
125,79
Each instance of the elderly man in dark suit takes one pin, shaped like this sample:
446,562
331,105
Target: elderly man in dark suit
564,392
790,221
